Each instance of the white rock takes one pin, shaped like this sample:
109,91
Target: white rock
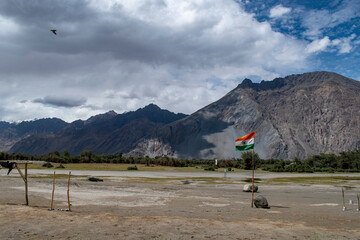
248,188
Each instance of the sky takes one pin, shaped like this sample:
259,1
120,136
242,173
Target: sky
181,55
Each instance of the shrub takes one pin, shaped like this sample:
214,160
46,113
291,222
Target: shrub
134,168
209,168
48,165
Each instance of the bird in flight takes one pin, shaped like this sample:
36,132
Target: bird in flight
54,31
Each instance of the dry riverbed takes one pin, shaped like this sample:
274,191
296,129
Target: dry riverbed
172,205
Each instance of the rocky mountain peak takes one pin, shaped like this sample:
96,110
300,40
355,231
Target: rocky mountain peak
295,80
101,117
246,83
111,112
152,107
317,77
263,85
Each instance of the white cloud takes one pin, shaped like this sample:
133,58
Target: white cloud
341,45
279,11
344,44
317,21
318,45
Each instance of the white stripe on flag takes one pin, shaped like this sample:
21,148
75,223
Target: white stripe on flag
245,142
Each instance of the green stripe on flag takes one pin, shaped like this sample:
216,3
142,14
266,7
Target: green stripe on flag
243,148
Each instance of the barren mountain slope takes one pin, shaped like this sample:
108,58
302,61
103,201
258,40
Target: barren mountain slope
295,116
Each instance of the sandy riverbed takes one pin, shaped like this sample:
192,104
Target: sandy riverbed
128,206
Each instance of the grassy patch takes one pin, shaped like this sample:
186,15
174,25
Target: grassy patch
57,176
117,167
249,180
201,180
328,180
124,167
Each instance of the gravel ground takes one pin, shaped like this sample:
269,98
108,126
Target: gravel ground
130,205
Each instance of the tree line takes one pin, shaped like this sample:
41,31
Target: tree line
343,162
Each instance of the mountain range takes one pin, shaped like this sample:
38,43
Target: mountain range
11,133
107,133
296,116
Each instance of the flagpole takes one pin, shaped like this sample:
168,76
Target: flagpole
252,188
244,143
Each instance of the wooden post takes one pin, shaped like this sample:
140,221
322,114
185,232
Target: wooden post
24,177
358,209
26,185
53,191
68,192
343,199
20,172
252,188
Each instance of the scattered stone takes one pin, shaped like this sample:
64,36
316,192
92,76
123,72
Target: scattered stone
64,210
261,202
94,179
248,188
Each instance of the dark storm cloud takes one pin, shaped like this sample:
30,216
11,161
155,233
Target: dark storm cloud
43,12
61,101
81,30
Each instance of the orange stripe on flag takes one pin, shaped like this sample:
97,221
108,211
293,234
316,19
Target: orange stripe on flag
246,137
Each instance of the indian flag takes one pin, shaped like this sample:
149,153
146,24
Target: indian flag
246,142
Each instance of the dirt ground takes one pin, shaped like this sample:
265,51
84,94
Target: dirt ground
129,207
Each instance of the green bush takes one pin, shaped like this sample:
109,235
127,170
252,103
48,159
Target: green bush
48,165
209,168
134,168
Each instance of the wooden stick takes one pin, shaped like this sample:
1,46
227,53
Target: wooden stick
252,189
20,172
53,191
343,199
358,202
26,186
68,192
24,177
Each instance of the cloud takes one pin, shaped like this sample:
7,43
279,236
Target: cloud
189,34
61,101
121,55
279,11
344,44
318,21
318,45
7,26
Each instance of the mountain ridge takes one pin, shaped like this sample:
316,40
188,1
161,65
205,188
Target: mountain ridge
10,133
295,116
91,134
